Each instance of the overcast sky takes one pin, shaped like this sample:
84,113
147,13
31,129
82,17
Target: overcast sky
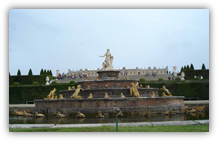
75,38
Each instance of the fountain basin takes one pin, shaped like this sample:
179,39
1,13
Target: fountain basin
109,105
108,74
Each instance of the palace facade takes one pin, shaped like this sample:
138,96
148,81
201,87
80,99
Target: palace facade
130,71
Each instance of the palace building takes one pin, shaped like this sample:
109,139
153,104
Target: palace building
130,71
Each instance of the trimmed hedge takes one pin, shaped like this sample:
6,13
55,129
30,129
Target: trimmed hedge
16,83
25,79
189,74
160,79
22,93
53,82
187,89
142,80
72,82
35,83
178,79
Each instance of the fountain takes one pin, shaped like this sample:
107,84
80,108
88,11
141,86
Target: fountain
134,99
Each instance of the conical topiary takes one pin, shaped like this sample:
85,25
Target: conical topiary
203,67
41,72
187,67
51,73
192,67
44,72
181,70
48,72
30,73
18,72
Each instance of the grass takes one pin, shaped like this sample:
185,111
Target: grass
187,128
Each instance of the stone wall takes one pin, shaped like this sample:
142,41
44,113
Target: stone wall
109,105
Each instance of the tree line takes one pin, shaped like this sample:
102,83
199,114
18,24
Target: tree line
191,67
30,73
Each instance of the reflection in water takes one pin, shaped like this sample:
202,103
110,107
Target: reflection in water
80,120
71,119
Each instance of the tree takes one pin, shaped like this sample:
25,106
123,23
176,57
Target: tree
187,67
51,73
41,72
44,72
203,67
18,72
181,70
30,73
192,67
48,72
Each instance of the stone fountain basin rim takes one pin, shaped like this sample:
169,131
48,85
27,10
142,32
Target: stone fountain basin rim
109,99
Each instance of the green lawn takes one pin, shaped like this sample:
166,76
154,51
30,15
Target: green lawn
188,128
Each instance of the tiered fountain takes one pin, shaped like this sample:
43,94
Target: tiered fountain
133,99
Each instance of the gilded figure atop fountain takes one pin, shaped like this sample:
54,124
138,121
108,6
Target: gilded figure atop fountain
107,64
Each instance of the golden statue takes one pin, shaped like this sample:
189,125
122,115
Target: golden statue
28,111
192,111
141,86
88,78
69,88
27,114
166,91
170,95
80,115
121,95
153,94
127,86
200,109
51,94
73,88
195,107
59,115
91,95
18,113
185,111
118,78
61,96
106,86
134,90
164,95
146,86
127,78
96,78
39,115
100,115
89,87
106,95
56,97
76,93
120,114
